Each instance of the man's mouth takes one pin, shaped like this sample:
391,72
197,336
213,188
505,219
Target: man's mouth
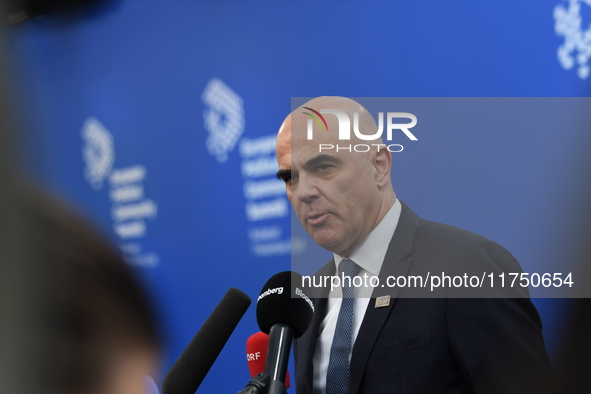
318,219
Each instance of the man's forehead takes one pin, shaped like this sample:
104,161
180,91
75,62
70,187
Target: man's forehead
299,124
309,155
301,153
293,134
292,140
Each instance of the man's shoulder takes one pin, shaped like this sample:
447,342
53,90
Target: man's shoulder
444,239
449,242
447,237
442,248
428,230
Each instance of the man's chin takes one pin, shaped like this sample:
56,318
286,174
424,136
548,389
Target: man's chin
327,239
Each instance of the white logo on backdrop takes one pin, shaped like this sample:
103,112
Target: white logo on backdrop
265,199
129,207
98,152
224,119
569,24
264,194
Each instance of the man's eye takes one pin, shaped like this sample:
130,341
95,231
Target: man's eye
323,167
288,178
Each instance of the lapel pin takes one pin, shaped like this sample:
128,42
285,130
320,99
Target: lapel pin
382,301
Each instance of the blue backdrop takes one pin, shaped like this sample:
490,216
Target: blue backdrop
157,118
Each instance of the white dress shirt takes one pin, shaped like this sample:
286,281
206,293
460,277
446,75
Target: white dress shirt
369,256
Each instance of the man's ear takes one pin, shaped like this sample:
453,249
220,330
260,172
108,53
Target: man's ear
382,164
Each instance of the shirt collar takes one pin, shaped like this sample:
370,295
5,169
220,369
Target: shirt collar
371,253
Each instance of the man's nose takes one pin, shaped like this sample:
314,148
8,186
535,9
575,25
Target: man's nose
307,189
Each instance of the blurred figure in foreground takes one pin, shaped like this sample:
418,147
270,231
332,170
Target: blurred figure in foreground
73,319
97,332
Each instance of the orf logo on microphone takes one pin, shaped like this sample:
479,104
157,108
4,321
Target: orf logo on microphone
345,129
253,356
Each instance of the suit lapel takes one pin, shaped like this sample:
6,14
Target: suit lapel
396,262
307,342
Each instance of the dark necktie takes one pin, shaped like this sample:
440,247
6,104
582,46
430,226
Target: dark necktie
337,376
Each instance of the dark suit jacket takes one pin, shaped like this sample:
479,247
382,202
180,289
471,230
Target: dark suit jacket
439,345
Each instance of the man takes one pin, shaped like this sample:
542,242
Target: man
397,341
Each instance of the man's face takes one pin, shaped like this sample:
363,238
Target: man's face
334,194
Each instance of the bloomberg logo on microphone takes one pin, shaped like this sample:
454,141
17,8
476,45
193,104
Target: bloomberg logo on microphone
300,293
345,129
277,290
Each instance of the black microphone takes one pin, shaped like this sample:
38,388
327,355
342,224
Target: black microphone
284,312
194,363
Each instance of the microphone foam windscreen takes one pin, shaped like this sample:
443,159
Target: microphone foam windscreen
256,355
190,369
283,301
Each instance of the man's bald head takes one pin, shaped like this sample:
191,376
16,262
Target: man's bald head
339,195
298,120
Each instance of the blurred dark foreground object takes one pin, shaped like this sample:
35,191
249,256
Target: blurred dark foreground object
73,317
575,358
71,308
19,11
